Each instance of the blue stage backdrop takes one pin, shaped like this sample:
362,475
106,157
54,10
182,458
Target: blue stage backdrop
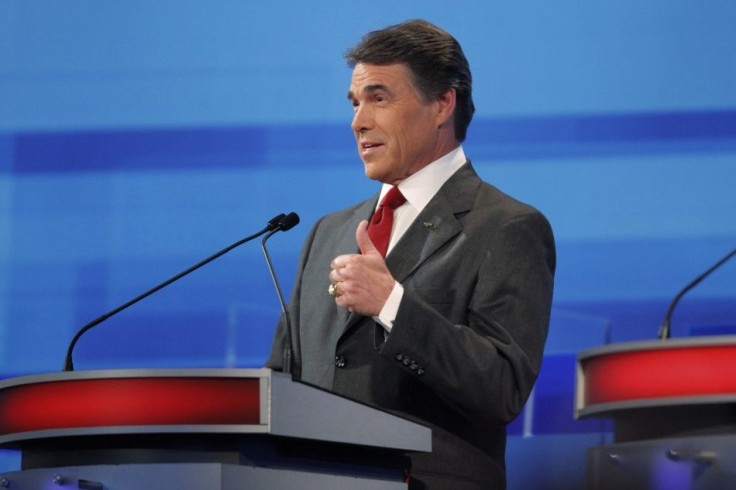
136,138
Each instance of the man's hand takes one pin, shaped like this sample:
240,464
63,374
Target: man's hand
363,281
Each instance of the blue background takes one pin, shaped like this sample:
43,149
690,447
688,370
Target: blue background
138,137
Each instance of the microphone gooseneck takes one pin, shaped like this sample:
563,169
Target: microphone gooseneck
664,328
273,224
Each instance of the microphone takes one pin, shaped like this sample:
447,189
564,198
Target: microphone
664,329
274,224
288,222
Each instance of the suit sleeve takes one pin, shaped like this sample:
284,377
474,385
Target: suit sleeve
486,366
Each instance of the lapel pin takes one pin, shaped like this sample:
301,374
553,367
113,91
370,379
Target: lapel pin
427,224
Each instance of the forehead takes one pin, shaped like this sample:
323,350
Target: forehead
393,77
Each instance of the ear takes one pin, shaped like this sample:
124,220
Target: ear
446,103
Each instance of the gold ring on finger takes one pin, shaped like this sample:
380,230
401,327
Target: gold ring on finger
333,290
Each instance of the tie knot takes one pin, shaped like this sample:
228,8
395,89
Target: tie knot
393,198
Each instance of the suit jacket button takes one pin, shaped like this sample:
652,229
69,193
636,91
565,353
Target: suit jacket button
339,361
420,371
414,366
406,361
399,357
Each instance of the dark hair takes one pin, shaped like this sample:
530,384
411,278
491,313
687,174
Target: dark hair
435,59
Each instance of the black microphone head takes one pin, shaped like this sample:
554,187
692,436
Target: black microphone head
289,221
275,222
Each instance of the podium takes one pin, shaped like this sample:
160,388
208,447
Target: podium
200,429
673,406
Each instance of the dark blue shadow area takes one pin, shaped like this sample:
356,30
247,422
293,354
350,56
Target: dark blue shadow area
241,147
600,128
602,135
6,152
139,149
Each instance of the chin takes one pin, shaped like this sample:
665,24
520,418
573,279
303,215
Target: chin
371,171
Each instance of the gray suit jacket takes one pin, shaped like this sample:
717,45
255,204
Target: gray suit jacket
477,269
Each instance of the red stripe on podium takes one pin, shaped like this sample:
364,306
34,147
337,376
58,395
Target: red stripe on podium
660,373
129,401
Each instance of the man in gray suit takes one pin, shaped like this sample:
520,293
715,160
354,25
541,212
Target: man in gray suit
449,328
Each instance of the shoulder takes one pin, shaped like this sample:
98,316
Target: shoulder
491,219
493,200
335,232
485,201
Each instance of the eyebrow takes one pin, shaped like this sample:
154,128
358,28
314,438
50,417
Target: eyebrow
370,89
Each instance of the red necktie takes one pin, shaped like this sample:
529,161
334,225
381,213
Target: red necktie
383,219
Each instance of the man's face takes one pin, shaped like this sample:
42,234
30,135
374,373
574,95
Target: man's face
396,131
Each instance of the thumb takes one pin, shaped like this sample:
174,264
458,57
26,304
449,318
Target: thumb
364,240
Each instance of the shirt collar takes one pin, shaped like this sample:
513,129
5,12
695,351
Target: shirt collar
420,188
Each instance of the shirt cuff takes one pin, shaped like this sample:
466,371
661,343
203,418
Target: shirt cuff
390,309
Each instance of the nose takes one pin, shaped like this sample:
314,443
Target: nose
362,118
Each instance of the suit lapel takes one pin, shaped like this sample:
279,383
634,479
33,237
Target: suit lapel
433,228
436,224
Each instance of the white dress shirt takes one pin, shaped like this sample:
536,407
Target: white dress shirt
418,189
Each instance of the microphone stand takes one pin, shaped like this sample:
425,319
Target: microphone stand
291,220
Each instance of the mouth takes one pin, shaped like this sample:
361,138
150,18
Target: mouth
368,147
